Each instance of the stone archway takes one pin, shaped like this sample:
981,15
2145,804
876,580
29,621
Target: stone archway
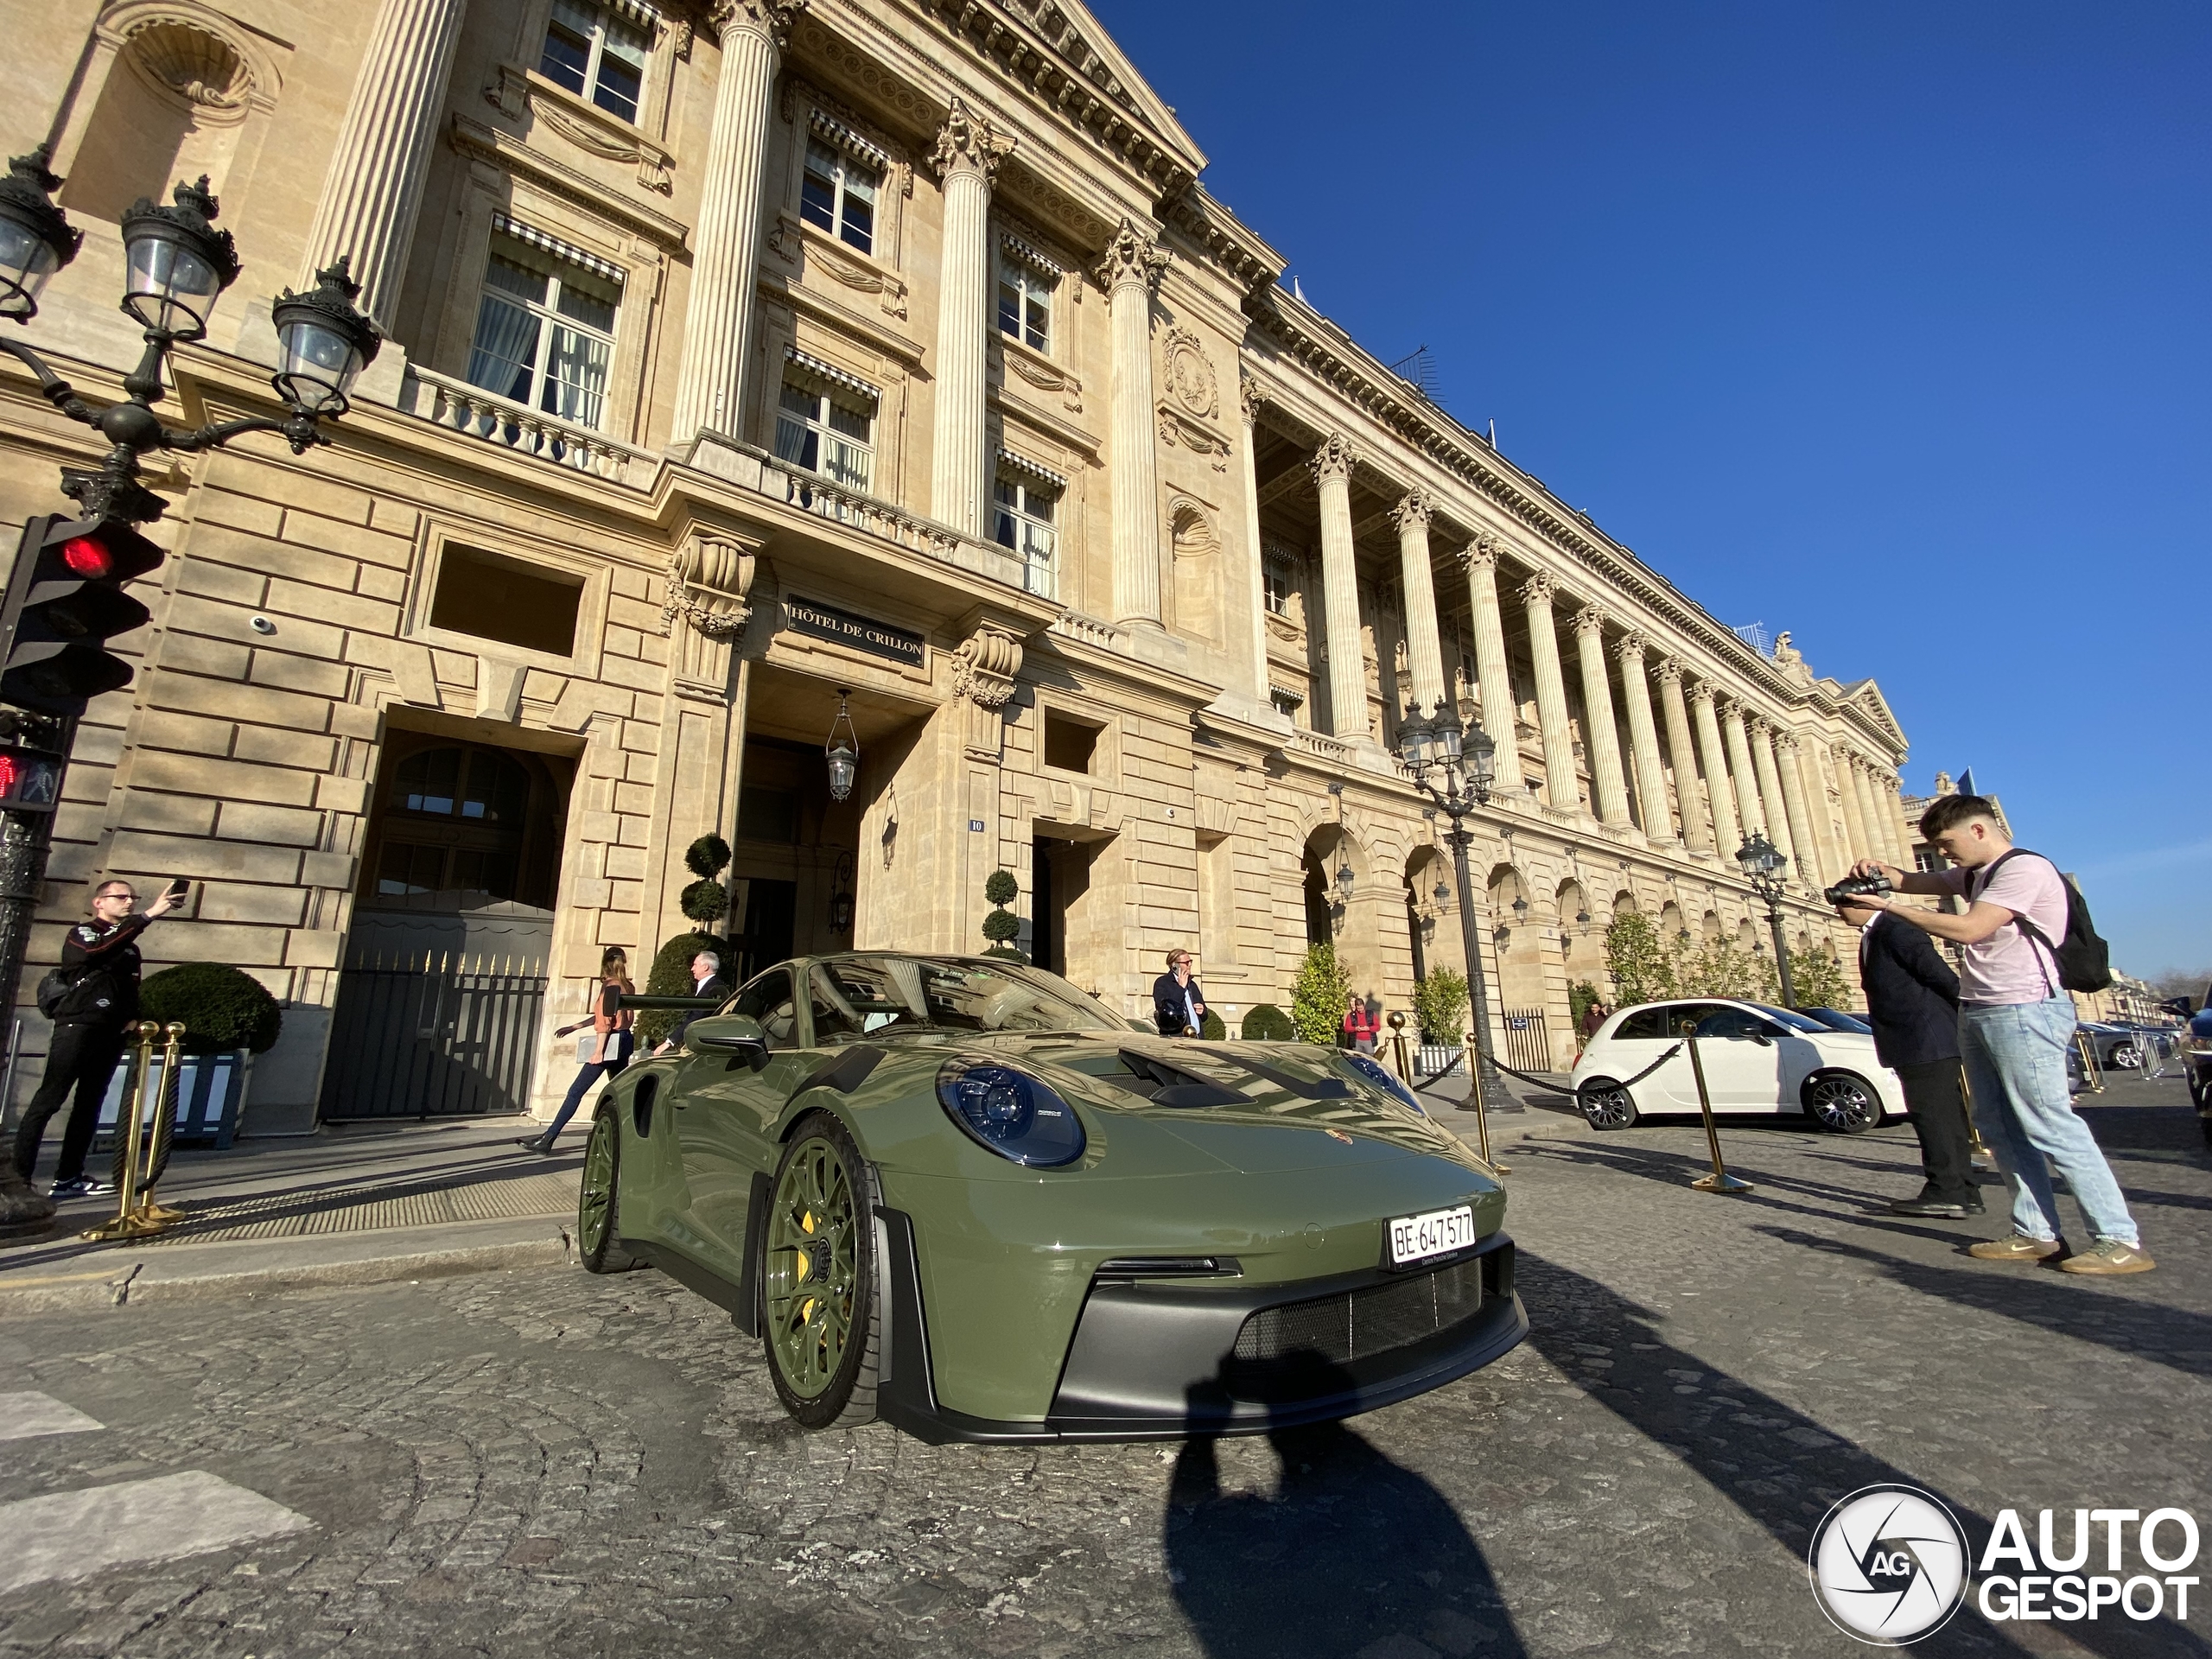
1433,913
1353,917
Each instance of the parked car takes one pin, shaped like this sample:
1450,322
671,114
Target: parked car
1837,1019
1757,1060
2122,1047
959,1194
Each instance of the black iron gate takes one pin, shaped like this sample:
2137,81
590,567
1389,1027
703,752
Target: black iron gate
433,1033
1528,1046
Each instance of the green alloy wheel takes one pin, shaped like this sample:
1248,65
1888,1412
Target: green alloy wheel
598,1223
817,1280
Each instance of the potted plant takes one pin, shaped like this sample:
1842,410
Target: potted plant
1440,1010
228,1017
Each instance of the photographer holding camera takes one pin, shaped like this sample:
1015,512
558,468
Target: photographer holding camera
2016,1023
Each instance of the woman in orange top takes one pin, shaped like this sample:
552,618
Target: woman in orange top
609,1049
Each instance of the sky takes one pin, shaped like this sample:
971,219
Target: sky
1889,325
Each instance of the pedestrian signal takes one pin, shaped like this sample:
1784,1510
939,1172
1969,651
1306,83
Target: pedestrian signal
65,600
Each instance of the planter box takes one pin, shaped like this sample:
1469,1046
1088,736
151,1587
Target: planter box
1434,1059
210,1095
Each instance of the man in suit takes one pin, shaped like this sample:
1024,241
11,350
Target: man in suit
1912,1003
1179,1007
706,980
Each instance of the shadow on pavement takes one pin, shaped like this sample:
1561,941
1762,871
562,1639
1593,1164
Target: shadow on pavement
1348,1550
1778,1466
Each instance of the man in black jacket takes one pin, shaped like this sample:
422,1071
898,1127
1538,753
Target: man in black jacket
1179,1007
706,980
100,957
1912,1003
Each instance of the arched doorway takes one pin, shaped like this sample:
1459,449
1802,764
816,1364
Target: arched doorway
1432,913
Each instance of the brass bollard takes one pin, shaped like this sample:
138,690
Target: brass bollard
1720,1181
1398,1043
1481,1110
1978,1154
2093,1073
144,1153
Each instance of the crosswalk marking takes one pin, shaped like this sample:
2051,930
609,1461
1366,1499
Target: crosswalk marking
75,1535
22,1416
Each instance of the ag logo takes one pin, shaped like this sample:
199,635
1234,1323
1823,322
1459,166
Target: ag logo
1889,1564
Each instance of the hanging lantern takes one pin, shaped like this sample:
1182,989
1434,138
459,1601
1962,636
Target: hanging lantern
843,750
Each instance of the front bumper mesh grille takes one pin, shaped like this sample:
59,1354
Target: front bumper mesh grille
1359,1324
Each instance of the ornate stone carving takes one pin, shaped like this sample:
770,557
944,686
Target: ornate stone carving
773,18
606,142
1334,458
1785,743
1176,428
1046,377
1630,647
1250,395
1415,508
986,664
1667,670
1481,554
1702,691
819,252
709,581
1190,374
969,140
1588,620
1538,589
1132,257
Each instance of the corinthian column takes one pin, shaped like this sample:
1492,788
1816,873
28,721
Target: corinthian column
1255,574
1333,464
1854,806
1130,271
1726,822
1751,811
1643,740
1493,681
1779,830
966,157
1424,654
1813,779
1893,803
710,376
1812,866
1606,782
1697,815
374,189
1551,695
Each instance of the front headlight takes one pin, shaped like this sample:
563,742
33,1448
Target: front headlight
1010,1112
1376,1072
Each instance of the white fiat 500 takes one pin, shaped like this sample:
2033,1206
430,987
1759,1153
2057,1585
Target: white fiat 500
1756,1060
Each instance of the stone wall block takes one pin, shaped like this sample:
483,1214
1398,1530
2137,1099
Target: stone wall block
278,826
274,747
315,676
284,906
245,512
297,599
637,676
227,780
259,555
237,942
332,536
206,580
598,826
355,719
318,949
591,892
333,871
190,653
161,728
335,794
394,518
249,704
380,584
181,815
240,472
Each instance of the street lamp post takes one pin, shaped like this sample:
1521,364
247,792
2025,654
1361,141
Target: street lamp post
176,266
1762,864
1453,765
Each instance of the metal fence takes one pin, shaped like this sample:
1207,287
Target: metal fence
433,1034
1527,1047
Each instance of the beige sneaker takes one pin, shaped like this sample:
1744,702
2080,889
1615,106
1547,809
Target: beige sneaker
2108,1255
2018,1247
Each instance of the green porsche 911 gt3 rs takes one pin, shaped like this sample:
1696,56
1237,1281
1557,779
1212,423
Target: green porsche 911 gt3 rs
959,1194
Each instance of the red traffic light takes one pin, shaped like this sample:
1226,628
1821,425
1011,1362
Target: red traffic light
87,556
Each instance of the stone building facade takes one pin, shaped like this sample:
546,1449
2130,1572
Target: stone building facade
757,359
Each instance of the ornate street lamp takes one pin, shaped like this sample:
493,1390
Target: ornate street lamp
36,238
1453,765
1764,865
844,751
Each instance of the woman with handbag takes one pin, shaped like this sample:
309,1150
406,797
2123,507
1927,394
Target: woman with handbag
603,1054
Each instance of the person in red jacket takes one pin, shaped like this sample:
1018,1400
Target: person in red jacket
1359,1024
100,960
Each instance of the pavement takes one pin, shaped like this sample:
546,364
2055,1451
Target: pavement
533,1460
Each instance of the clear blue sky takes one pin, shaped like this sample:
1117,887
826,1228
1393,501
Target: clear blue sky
1887,324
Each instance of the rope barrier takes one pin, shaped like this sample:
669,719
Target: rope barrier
1545,1083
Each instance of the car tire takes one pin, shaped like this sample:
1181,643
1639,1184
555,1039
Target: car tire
2125,1057
818,1277
1842,1101
599,1223
1607,1105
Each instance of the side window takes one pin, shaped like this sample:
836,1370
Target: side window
838,195
835,1019
1732,1022
768,999
1022,512
826,433
545,333
1025,304
597,54
1646,1025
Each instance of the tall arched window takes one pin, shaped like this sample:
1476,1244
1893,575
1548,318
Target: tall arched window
467,820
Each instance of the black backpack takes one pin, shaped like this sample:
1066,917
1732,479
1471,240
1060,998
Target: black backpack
2084,959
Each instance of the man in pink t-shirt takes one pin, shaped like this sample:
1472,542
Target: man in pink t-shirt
2016,1023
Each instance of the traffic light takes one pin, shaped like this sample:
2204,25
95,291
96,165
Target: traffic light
65,600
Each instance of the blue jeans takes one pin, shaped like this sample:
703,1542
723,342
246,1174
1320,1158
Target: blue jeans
2015,1055
618,1056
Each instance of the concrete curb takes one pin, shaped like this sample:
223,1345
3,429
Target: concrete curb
189,1273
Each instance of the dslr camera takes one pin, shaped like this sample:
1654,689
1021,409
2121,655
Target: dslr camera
1857,887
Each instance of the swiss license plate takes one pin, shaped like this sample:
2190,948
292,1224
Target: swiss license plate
1439,1232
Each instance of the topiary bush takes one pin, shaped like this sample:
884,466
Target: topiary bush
1318,1001
1441,1007
706,901
1002,926
670,975
1211,1028
221,1008
1266,1023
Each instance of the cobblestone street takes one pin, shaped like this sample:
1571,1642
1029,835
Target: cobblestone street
542,1462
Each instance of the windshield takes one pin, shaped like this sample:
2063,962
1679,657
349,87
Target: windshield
863,996
1795,1021
1835,1020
